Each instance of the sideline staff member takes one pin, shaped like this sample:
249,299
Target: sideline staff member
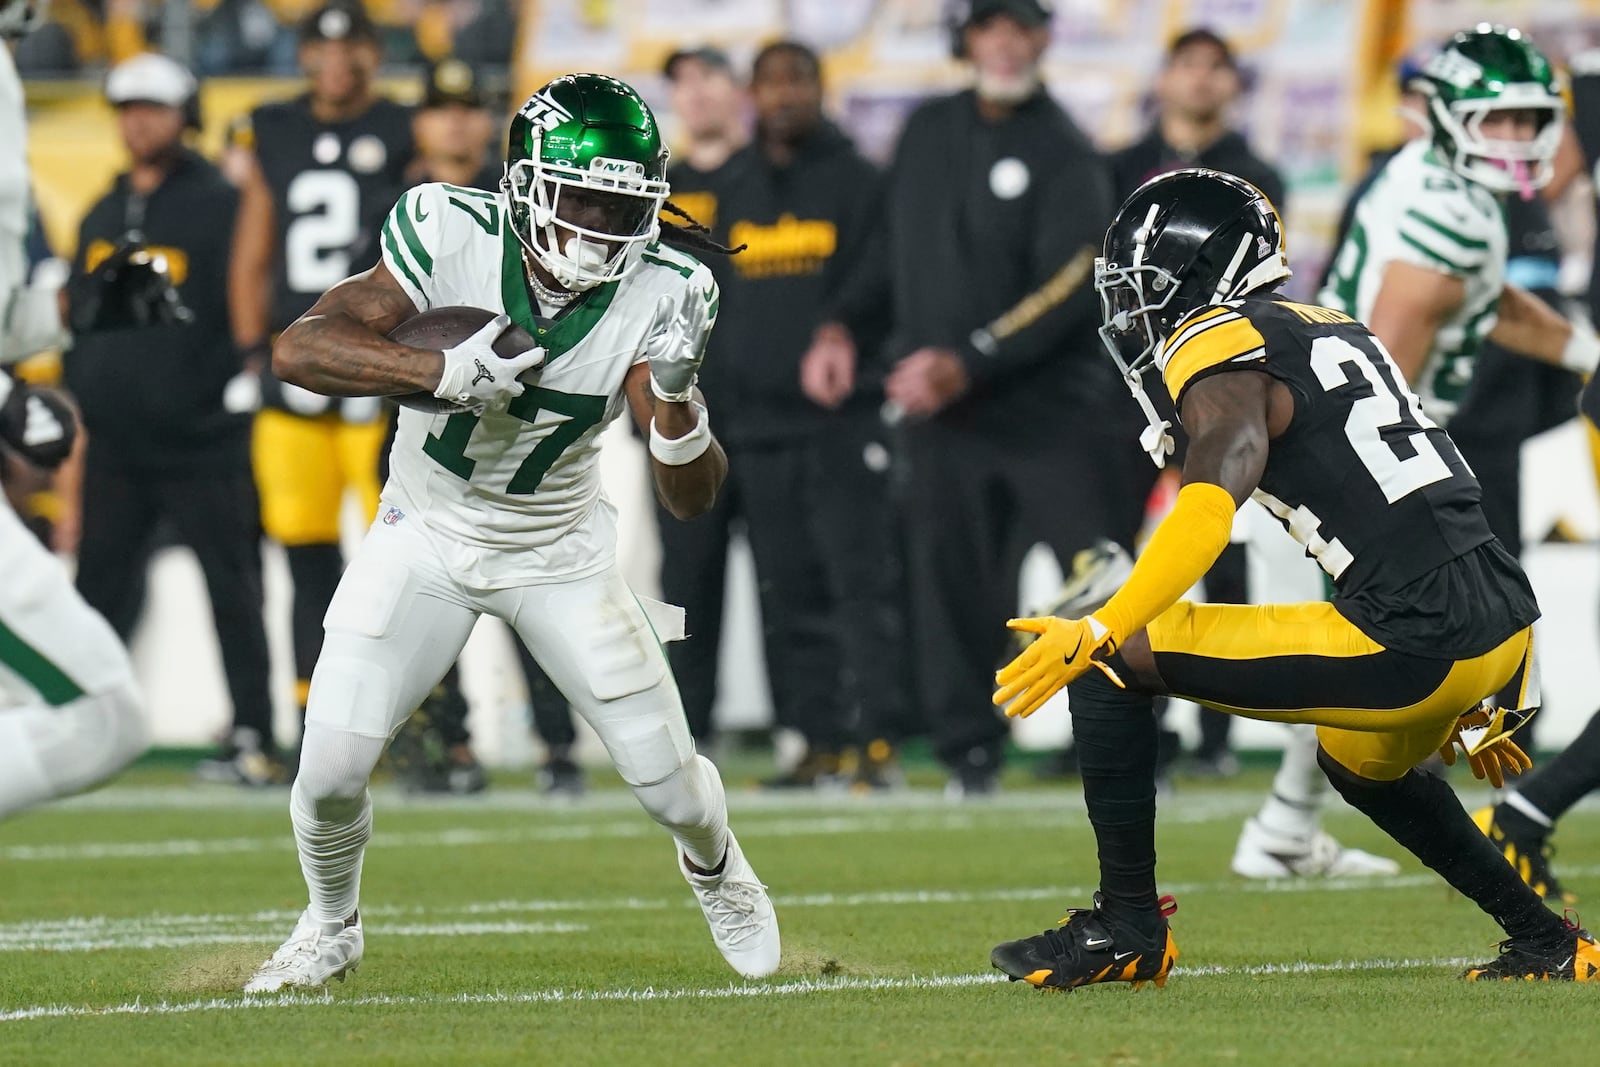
996,207
162,444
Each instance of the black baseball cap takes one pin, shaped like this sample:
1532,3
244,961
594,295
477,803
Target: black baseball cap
713,57
1203,35
452,81
338,20
1027,12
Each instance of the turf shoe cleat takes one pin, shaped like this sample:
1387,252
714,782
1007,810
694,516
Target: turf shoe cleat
736,907
1263,853
1529,857
1572,956
1089,948
312,955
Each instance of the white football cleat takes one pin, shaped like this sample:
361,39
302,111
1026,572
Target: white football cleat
310,957
1263,853
740,915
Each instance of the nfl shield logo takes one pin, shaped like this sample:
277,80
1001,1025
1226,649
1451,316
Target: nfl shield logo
392,516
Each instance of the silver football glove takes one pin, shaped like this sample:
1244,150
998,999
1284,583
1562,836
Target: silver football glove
676,343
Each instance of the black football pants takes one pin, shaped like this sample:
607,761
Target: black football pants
821,526
213,513
976,506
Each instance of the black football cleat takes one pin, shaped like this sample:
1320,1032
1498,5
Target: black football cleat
1573,956
1088,948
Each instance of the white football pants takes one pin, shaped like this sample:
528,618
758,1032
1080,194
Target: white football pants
397,622
70,713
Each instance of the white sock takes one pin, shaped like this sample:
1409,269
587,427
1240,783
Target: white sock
1294,808
692,804
332,814
1516,800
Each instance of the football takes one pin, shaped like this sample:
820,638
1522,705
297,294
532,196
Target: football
447,327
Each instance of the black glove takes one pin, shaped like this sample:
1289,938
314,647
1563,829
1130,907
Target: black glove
129,288
37,424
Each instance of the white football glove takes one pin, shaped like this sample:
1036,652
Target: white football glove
676,344
478,379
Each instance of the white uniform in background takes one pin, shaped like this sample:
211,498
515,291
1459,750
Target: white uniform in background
1421,212
70,713
503,514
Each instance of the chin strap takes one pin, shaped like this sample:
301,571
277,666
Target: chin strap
1155,439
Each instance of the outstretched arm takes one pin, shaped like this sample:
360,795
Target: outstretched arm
339,347
1530,327
1230,417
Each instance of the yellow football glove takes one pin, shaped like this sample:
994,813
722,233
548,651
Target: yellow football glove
1064,649
1499,759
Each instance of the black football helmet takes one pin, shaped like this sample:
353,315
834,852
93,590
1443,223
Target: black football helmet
1182,241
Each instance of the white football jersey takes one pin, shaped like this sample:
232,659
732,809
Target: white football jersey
1420,211
515,497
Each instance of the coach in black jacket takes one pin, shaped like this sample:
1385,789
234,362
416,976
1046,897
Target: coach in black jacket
162,444
809,478
997,207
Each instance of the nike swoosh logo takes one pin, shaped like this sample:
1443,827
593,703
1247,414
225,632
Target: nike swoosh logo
1093,943
1120,956
421,215
710,294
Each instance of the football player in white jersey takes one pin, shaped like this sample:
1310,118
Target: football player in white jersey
496,507
70,714
1424,265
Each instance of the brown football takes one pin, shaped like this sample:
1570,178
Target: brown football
447,327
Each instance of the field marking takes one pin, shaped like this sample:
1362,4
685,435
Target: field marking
101,933
650,993
918,820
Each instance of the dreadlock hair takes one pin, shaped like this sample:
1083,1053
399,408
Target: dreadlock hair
691,236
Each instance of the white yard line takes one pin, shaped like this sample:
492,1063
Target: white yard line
99,933
650,993
911,820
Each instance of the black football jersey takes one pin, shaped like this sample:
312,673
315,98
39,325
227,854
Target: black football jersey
332,185
1373,489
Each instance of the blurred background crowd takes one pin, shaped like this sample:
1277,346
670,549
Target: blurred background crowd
906,373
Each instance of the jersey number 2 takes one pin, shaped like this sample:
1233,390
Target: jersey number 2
326,205
449,447
1371,415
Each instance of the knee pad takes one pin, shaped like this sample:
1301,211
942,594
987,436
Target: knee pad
691,797
1347,783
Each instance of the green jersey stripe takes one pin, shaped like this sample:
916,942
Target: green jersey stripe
395,254
1447,232
31,666
1449,265
413,242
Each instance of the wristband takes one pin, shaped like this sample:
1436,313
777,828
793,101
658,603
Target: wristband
1582,351
677,451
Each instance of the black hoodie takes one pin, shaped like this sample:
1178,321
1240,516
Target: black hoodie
813,228
152,397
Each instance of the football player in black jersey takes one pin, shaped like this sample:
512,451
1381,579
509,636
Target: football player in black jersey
1304,409
327,166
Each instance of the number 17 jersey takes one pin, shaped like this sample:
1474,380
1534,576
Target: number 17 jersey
515,496
1374,490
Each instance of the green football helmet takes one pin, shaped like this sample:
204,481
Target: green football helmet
1482,70
589,139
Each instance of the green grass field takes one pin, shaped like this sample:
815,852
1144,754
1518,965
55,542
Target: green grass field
505,930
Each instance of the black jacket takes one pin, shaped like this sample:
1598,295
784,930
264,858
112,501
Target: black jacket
1143,160
993,228
813,228
153,396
